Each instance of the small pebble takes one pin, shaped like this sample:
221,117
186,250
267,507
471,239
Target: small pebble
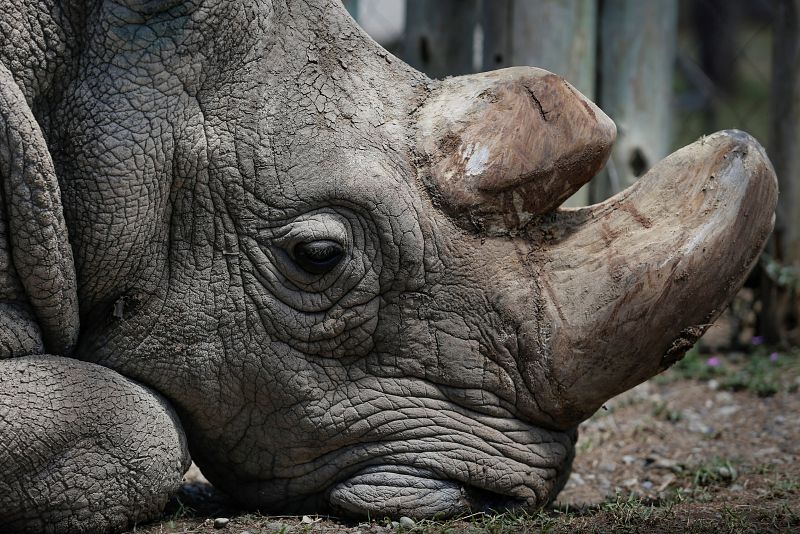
394,525
407,522
701,428
221,522
576,479
727,411
728,473
608,466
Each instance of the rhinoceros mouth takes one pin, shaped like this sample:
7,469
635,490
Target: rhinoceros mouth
500,464
442,460
418,493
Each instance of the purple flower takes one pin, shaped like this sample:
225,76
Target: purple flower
712,361
757,340
773,357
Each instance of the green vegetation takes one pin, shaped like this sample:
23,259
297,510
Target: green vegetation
662,411
620,514
718,471
693,366
763,372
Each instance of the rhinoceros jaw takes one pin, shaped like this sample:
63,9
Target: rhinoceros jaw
397,491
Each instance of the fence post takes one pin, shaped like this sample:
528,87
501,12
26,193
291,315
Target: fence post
637,52
779,302
552,34
439,36
496,24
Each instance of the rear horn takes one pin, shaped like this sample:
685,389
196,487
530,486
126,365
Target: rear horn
506,146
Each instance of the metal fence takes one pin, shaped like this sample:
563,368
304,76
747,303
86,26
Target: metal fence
723,68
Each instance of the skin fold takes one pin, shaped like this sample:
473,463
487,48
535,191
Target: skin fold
340,285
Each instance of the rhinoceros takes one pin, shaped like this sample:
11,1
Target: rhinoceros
241,228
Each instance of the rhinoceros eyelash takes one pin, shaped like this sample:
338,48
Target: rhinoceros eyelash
314,228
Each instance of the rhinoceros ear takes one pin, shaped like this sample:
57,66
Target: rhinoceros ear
37,235
506,146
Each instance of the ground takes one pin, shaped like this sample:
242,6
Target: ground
711,445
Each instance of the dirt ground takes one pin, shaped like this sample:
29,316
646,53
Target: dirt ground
711,445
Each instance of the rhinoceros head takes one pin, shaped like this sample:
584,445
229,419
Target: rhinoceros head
355,283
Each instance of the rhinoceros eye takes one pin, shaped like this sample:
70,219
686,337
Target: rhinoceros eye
317,257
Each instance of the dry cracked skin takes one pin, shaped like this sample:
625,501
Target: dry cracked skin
345,286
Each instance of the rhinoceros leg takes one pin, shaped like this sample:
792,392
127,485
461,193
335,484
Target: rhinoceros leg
82,449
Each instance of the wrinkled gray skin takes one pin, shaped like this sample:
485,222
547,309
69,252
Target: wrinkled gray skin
195,143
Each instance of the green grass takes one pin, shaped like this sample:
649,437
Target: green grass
758,375
662,411
763,372
694,507
784,487
182,511
693,366
718,471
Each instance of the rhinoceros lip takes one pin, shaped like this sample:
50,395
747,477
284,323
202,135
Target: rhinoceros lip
403,490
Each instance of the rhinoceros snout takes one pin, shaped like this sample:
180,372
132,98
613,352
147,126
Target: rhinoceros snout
396,491
611,293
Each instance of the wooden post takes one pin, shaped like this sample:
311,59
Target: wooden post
779,298
439,38
556,35
497,43
552,34
637,51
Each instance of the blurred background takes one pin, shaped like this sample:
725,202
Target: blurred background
667,72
